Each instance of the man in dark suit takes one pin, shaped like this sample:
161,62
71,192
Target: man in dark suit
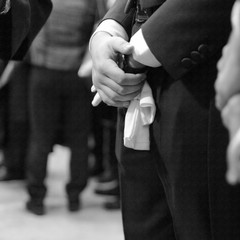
20,21
177,190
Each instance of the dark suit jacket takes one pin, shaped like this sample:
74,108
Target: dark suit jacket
20,25
179,27
188,139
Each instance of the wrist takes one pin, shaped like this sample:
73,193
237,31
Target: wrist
133,63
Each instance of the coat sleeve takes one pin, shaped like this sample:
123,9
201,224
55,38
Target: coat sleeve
20,25
183,34
117,13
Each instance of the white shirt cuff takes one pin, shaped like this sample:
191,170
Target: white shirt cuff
235,17
142,52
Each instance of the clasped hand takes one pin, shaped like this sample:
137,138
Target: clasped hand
113,85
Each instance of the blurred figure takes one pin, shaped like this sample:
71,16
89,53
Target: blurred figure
17,125
228,97
96,167
3,116
108,181
103,127
20,21
59,100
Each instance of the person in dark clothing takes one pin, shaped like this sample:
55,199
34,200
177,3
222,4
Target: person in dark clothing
20,21
173,188
17,124
58,100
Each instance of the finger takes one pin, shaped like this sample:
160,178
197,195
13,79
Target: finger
231,115
231,177
93,88
219,101
221,62
233,168
133,79
111,102
120,45
105,83
122,90
226,89
96,100
111,70
116,97
127,79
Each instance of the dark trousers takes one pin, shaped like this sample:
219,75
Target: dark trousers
58,101
177,191
17,127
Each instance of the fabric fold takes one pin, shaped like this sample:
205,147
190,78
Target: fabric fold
139,116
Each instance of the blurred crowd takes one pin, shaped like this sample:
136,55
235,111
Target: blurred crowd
46,100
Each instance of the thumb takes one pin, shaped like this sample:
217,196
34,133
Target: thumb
120,45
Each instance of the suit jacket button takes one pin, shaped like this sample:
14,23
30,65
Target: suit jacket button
203,49
196,57
187,62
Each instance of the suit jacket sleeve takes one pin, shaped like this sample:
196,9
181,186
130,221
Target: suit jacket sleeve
117,13
181,33
20,25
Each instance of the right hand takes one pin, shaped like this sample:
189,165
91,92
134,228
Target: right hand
114,87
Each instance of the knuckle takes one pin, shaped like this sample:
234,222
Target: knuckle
218,86
115,98
232,107
225,114
122,91
234,101
121,79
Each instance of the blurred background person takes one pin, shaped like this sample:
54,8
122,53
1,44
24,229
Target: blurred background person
59,102
103,132
3,116
228,94
20,21
16,124
108,181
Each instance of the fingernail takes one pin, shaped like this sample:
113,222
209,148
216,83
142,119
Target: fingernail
93,89
96,100
231,178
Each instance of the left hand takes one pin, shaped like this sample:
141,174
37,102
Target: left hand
114,86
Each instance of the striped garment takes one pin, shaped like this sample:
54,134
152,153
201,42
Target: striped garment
64,38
